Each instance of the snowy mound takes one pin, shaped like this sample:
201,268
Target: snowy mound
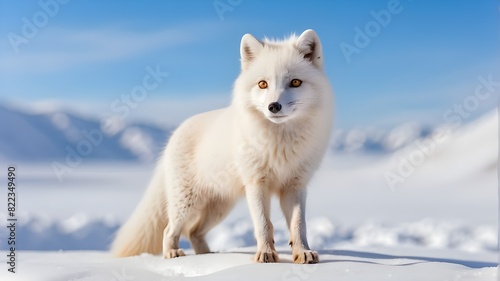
80,232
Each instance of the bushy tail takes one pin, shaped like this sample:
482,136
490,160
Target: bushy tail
143,231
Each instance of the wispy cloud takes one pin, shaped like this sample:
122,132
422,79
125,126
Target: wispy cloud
60,48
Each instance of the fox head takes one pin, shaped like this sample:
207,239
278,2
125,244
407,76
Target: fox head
282,80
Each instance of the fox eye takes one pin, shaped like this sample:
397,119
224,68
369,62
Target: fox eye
262,84
295,83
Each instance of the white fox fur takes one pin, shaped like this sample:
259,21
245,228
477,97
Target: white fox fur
215,158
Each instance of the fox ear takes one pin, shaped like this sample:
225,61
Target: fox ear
249,49
310,46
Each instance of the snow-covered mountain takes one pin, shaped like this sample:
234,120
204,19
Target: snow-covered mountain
57,134
378,141
52,135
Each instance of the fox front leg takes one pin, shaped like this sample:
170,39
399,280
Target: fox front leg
293,203
259,201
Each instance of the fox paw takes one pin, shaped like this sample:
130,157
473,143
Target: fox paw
305,257
173,253
266,256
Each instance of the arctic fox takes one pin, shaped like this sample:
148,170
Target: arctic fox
270,140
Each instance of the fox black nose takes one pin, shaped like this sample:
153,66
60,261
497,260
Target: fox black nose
274,107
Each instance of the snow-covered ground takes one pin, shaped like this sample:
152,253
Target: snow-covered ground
437,221
237,265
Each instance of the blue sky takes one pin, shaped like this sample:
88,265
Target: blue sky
86,54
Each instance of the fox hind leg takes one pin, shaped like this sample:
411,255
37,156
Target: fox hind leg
211,215
179,210
171,236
